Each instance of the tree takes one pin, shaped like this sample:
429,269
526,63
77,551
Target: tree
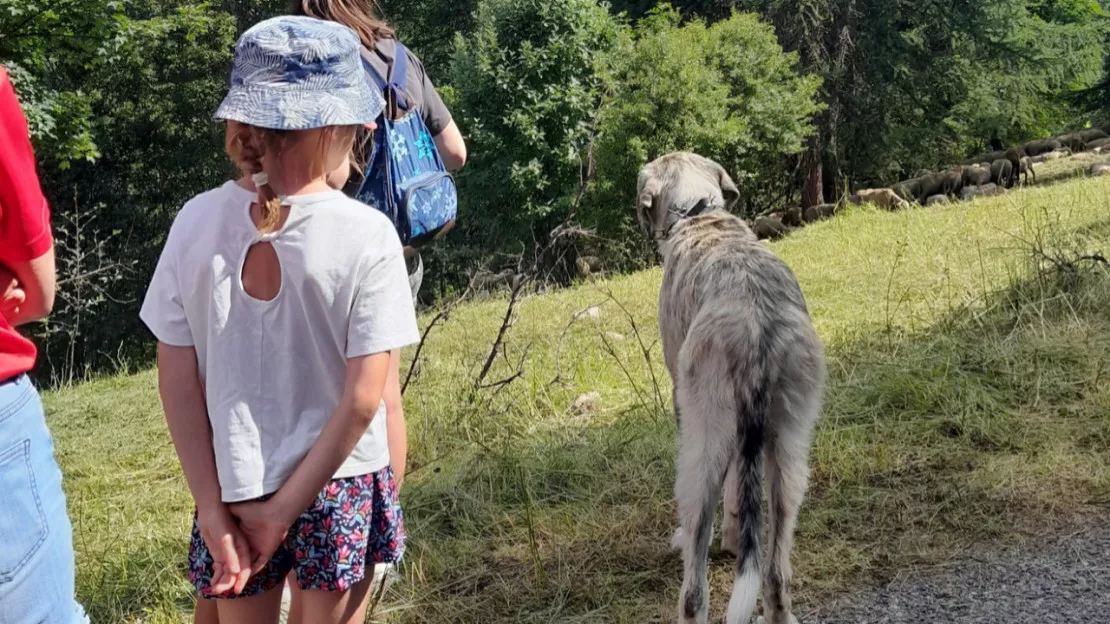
430,27
48,47
711,10
911,85
150,112
529,84
726,91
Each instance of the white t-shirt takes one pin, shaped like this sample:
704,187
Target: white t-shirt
273,371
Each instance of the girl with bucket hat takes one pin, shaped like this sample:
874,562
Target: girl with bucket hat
275,314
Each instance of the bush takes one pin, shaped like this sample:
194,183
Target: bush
528,86
727,92
152,111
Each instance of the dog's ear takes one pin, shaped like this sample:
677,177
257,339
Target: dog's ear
728,187
728,190
646,204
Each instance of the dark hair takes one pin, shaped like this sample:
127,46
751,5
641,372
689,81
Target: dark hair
361,16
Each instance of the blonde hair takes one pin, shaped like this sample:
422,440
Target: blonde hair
246,145
361,16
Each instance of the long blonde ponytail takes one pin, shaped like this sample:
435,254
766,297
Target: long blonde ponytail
246,145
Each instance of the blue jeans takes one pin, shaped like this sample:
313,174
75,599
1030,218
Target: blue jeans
36,540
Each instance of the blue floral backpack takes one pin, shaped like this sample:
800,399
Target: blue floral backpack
406,178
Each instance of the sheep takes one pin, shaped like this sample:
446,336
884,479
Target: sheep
817,213
1027,170
1014,155
907,190
1098,144
769,227
1099,169
1093,134
1058,154
882,197
952,180
1002,172
792,217
977,175
937,200
1036,148
1073,142
984,190
932,184
991,157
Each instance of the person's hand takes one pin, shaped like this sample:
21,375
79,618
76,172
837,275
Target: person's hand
11,293
229,548
265,526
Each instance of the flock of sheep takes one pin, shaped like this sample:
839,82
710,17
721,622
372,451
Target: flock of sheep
982,176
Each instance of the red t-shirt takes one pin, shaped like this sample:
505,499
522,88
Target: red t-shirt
24,218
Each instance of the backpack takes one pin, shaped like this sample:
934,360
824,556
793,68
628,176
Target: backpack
406,178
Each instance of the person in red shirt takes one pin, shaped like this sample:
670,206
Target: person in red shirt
36,556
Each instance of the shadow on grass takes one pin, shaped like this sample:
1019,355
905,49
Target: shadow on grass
931,441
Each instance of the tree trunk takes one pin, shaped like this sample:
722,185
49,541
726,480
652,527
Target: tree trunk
813,190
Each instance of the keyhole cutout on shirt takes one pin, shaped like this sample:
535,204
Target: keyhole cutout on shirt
262,268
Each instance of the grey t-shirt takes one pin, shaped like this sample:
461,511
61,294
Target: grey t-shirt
419,89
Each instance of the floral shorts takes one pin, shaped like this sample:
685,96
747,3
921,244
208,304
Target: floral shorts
354,523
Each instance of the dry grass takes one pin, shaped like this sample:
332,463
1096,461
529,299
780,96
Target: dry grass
969,387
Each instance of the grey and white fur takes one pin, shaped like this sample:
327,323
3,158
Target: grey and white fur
749,375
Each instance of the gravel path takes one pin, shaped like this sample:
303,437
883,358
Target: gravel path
1058,579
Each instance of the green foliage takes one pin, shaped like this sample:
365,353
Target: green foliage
1052,60
912,85
151,108
528,86
707,9
429,28
1096,99
726,91
48,47
967,397
560,102
1065,11
250,12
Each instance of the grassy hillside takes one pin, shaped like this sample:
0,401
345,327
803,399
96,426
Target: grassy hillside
969,393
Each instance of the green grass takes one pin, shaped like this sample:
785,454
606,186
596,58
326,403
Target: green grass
969,392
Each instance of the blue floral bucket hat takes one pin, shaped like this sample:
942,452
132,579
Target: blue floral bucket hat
299,73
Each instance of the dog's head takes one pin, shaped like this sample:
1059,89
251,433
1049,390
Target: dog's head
679,186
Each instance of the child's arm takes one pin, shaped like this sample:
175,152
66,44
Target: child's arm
395,429
381,320
187,416
265,524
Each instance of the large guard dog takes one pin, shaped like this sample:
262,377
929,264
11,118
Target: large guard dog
748,372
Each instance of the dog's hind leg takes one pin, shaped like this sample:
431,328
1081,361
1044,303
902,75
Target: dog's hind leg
703,457
730,524
787,465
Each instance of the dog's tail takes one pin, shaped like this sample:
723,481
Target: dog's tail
753,402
